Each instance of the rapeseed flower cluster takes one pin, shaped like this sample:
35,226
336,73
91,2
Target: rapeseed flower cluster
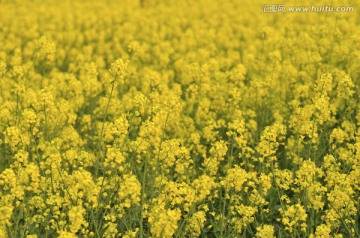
178,119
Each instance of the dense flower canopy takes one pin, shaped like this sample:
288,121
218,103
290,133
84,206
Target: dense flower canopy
167,118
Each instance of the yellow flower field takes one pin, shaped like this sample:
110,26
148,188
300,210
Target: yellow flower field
165,118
